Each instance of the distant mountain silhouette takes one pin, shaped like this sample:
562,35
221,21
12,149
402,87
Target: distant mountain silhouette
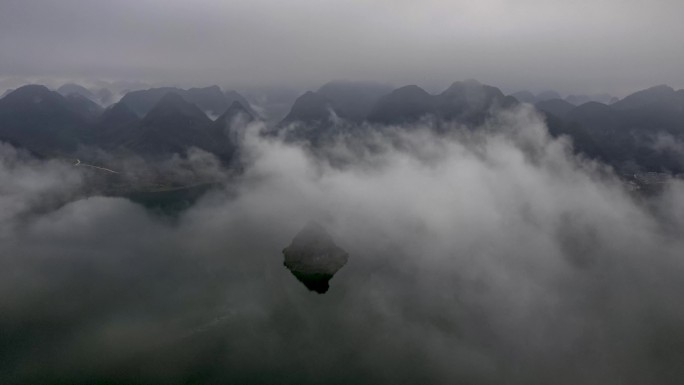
597,116
581,99
654,97
624,133
310,108
47,123
72,88
557,107
529,97
233,96
115,123
41,121
353,101
404,105
86,108
627,134
225,130
311,119
209,99
468,102
236,110
118,114
348,101
172,126
525,97
547,95
142,101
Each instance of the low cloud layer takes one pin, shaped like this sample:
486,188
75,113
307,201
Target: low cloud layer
487,256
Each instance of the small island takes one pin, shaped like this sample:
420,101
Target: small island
314,258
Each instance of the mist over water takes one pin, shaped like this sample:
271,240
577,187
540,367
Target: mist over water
483,256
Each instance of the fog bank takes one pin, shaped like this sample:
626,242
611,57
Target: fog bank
486,256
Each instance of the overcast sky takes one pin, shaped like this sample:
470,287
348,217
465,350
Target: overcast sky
571,46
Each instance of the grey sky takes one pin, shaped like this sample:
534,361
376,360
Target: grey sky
572,46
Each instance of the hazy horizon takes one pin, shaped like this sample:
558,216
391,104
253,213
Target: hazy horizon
582,47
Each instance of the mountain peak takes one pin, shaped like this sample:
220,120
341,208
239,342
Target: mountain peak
525,97
459,85
209,99
557,107
310,107
40,120
174,106
172,98
35,97
405,104
660,95
411,89
548,95
72,88
172,126
118,113
29,91
236,109
471,88
353,100
470,100
83,106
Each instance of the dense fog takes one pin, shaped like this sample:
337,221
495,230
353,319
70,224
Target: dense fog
482,256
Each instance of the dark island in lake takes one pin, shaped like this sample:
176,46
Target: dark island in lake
314,258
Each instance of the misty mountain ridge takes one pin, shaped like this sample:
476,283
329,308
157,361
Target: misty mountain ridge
225,130
576,99
101,96
310,108
468,102
72,88
235,111
86,108
172,126
118,114
233,96
361,102
32,114
41,121
625,132
403,105
353,101
114,123
209,99
661,96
